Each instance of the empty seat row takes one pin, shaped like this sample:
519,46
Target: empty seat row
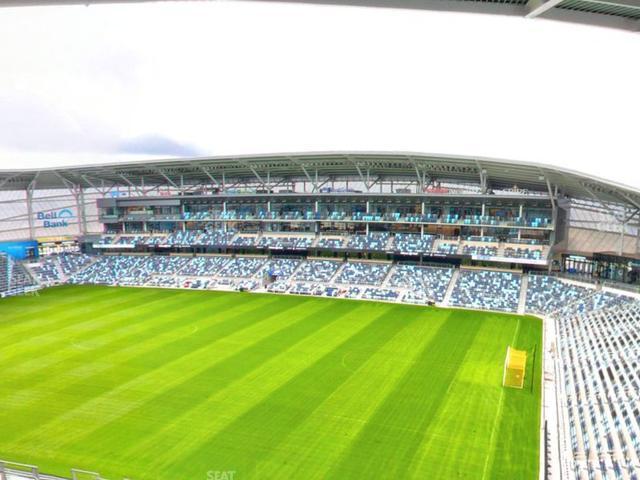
362,273
484,289
427,283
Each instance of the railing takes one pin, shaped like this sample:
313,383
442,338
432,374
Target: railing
14,470
586,278
328,217
21,471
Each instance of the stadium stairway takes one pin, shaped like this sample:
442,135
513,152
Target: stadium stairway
452,285
390,243
339,271
27,272
298,267
233,237
385,282
524,285
63,276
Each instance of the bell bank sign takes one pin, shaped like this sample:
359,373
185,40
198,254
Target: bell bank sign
55,219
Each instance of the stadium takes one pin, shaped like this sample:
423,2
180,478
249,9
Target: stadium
319,315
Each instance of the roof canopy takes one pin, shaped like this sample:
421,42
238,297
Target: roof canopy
272,169
623,14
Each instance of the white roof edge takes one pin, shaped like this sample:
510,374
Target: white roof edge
140,163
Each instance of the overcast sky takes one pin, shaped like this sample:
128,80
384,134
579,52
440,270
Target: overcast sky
93,84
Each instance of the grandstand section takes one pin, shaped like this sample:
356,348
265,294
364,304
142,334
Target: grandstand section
14,278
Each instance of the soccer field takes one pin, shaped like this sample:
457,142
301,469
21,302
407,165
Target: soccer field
173,384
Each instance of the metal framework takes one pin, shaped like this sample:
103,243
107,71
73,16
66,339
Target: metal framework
369,169
602,212
622,14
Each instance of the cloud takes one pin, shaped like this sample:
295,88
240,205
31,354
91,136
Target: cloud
33,125
156,145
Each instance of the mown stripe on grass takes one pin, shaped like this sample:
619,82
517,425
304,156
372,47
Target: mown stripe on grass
457,437
127,387
263,427
515,452
161,452
89,366
314,447
145,420
390,439
21,311
95,338
49,319
28,346
148,318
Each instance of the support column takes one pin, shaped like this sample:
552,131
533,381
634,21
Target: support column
623,226
82,213
554,222
224,210
29,192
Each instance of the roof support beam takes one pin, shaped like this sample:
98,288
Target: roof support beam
8,179
536,8
211,177
90,183
29,194
364,179
630,200
420,174
255,172
483,178
313,183
631,215
617,215
171,182
130,183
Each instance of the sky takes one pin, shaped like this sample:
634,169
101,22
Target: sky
81,85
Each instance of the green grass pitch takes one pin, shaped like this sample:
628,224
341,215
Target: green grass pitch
172,384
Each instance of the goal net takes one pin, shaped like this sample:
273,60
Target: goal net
514,368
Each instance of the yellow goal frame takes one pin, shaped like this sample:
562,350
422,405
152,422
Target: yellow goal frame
515,365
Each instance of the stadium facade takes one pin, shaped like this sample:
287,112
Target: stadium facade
509,213
398,227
